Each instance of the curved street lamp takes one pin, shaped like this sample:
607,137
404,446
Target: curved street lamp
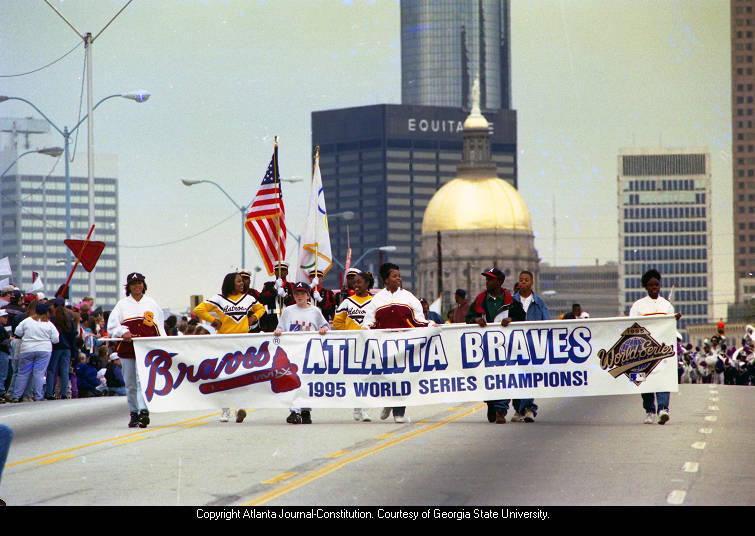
136,96
49,151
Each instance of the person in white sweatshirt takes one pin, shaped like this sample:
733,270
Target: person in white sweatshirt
37,336
654,304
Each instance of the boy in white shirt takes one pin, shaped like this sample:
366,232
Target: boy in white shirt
301,316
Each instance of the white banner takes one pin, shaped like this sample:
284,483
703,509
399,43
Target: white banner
374,368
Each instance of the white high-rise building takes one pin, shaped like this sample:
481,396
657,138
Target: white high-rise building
665,223
33,221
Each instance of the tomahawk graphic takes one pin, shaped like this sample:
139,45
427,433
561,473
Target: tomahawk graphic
281,375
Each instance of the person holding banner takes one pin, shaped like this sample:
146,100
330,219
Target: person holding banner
136,315
496,305
302,316
350,315
391,308
654,304
231,311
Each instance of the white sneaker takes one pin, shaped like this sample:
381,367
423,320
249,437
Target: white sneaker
357,414
517,417
663,416
402,419
225,415
364,416
650,418
385,413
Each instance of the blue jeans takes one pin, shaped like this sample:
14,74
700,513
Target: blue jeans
60,363
649,400
520,405
134,394
32,367
6,434
4,363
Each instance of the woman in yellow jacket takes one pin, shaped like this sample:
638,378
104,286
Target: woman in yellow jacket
231,311
350,315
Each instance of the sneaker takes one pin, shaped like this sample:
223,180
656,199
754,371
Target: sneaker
357,414
663,416
650,418
225,415
491,413
143,418
365,416
401,419
529,416
134,422
517,417
500,417
293,418
240,415
306,417
385,413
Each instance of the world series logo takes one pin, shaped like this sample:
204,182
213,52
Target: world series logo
634,355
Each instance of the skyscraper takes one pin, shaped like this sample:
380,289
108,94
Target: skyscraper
664,223
446,44
743,142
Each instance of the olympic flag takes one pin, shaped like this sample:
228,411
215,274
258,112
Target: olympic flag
315,252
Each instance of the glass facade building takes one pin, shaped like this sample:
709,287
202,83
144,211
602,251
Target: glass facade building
384,163
446,44
665,223
33,225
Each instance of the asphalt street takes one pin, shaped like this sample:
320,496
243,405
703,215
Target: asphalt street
580,451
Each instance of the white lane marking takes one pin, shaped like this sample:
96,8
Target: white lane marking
690,467
713,408
700,445
713,392
711,418
706,430
714,399
676,496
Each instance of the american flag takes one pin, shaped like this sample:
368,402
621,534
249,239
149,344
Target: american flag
265,220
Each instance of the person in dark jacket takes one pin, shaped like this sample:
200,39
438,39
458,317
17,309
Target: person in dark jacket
495,304
86,378
116,385
4,352
60,361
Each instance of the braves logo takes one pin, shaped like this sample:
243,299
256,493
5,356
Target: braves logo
282,374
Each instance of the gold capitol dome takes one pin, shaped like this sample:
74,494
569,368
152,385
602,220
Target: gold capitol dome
476,199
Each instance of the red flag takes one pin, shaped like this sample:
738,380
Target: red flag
88,252
265,221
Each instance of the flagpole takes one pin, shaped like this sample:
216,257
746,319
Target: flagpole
277,221
317,209
78,260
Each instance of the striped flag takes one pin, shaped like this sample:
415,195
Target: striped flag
265,220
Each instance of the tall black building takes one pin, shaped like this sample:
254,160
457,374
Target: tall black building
384,162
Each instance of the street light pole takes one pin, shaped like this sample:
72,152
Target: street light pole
136,96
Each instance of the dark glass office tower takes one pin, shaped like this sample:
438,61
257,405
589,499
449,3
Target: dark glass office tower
445,44
384,163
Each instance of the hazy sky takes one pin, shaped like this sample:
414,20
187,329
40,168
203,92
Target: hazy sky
226,76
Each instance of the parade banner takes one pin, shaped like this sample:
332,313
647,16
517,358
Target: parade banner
450,363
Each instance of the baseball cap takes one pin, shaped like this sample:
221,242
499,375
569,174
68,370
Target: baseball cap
301,285
134,276
494,272
114,356
3,312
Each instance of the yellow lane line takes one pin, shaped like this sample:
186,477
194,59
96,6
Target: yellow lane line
131,440
280,478
385,436
100,442
337,454
306,479
58,459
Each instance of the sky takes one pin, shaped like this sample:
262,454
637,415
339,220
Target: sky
589,77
